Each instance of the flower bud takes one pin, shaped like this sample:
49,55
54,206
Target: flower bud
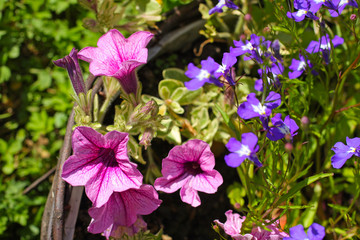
144,112
353,17
305,122
247,17
147,137
289,147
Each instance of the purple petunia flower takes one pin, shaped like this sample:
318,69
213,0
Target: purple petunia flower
303,9
247,148
221,4
324,46
191,168
201,76
344,152
118,57
101,164
253,108
273,71
260,233
232,225
71,64
123,210
337,6
282,128
298,67
315,232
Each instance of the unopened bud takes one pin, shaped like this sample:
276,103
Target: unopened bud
289,147
243,37
144,112
266,29
237,205
305,122
353,17
247,17
147,137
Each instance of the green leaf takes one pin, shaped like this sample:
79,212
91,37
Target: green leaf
189,97
175,73
178,94
301,185
5,74
167,87
310,213
227,120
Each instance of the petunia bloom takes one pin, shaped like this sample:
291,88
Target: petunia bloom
246,149
315,232
190,167
123,210
260,233
118,57
253,107
71,64
232,225
101,164
344,152
324,46
282,128
221,4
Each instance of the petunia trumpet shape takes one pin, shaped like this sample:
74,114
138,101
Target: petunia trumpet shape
246,149
344,152
101,164
260,233
118,57
315,232
191,168
232,225
123,210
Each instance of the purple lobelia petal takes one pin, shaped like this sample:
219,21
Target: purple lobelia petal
101,164
189,167
118,57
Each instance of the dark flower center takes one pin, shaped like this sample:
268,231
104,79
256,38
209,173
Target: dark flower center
193,168
108,157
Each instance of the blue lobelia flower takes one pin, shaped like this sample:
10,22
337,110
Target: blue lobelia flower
282,128
253,108
303,9
298,67
271,76
247,148
344,152
221,4
336,7
315,232
201,76
324,46
228,61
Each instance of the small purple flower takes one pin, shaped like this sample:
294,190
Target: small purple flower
71,64
221,4
118,57
201,76
344,152
298,67
260,233
123,210
282,128
101,164
228,61
324,46
271,75
246,149
315,232
337,6
191,168
253,108
232,225
304,9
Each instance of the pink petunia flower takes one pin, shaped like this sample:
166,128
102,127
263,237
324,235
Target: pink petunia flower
233,225
122,213
191,168
118,57
260,233
101,164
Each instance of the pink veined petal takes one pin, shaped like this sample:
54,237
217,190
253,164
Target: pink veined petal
112,179
207,182
139,41
125,68
190,196
170,185
198,151
86,142
117,141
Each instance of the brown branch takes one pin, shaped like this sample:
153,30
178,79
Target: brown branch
39,180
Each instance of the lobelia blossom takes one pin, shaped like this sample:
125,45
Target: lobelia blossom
303,9
344,152
221,4
315,232
228,61
232,226
122,212
298,67
253,108
246,149
324,46
190,167
260,233
71,64
275,70
282,128
101,164
201,76
336,7
118,57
